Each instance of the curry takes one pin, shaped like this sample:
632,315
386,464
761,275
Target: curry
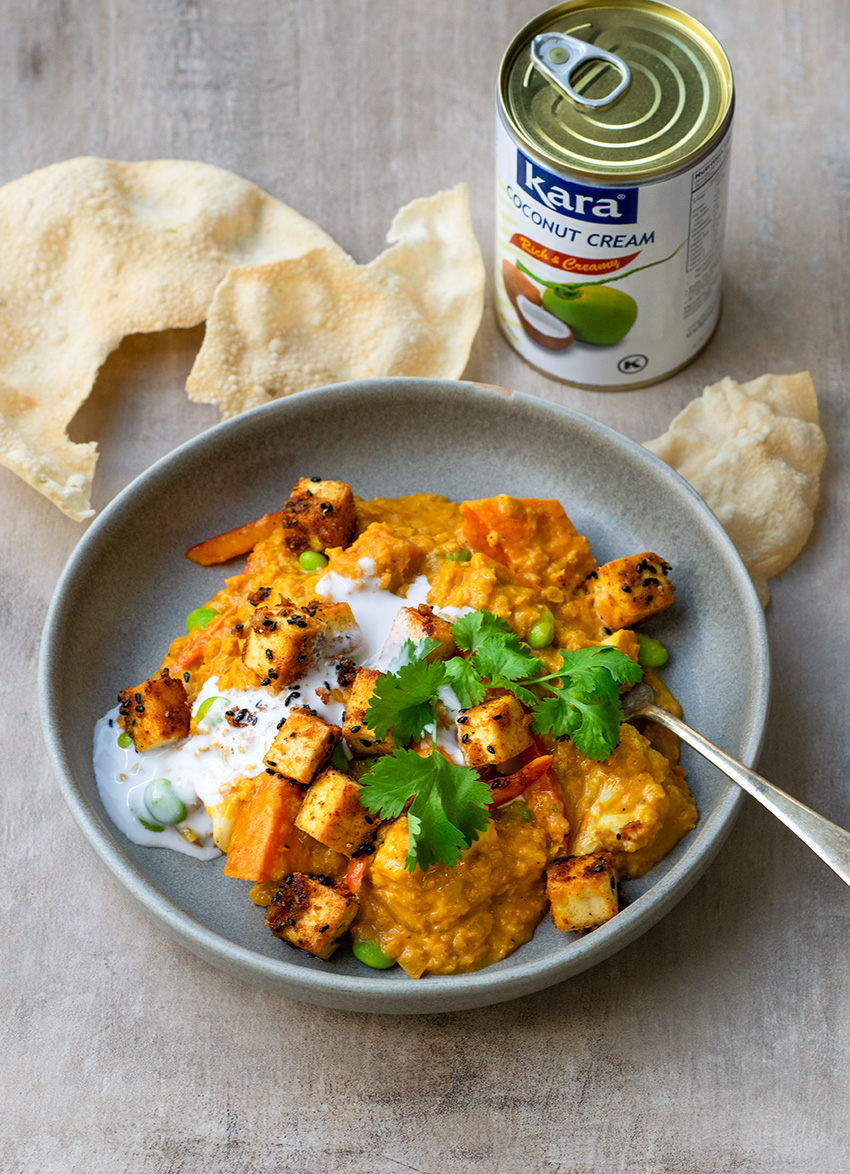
287,674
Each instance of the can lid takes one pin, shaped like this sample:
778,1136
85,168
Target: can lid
616,89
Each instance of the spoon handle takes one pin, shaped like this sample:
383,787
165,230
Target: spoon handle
830,842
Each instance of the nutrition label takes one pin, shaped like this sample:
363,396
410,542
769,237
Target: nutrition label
705,234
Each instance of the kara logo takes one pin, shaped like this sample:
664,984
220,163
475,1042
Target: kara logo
598,205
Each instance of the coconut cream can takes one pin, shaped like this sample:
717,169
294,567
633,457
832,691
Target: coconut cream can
612,159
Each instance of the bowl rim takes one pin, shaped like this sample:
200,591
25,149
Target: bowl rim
403,995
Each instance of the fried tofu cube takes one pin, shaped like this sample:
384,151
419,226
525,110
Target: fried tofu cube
155,712
631,589
582,891
311,915
331,813
493,732
360,738
302,746
342,634
418,624
281,644
318,514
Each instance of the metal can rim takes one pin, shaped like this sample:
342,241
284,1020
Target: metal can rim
637,177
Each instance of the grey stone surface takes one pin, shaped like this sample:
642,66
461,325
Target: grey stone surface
716,1043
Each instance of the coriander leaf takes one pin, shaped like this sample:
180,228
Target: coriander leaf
585,705
404,702
410,652
449,806
496,651
461,674
621,668
506,660
555,716
599,732
475,626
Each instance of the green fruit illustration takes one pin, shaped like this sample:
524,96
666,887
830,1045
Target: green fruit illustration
596,313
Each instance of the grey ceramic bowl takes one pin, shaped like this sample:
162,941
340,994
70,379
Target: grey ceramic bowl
126,590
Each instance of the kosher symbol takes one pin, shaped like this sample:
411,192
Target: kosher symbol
631,364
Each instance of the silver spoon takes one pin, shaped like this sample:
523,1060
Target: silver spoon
829,841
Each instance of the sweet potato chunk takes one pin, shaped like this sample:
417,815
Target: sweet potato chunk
531,536
392,560
263,833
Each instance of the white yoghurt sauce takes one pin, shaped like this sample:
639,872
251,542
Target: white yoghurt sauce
203,768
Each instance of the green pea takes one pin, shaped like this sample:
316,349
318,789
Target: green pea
651,652
213,716
312,560
149,827
199,618
125,741
371,954
459,556
543,632
163,803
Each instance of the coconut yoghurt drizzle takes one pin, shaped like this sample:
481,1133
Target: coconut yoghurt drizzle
203,768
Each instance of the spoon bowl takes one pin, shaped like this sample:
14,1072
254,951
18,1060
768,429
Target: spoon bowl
828,840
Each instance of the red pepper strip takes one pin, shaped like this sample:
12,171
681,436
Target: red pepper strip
243,539
545,800
355,873
535,750
510,787
193,650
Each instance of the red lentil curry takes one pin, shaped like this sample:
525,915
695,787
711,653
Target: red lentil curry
558,829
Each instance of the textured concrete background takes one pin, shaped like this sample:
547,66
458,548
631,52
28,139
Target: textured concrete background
719,1042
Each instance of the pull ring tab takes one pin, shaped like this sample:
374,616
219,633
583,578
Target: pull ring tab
558,55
